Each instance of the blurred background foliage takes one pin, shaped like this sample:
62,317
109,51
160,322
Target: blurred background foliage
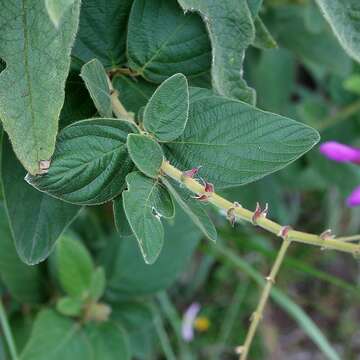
314,312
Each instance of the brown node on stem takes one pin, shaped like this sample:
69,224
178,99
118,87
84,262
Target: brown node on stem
259,213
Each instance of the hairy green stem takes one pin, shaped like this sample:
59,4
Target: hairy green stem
7,332
258,313
267,224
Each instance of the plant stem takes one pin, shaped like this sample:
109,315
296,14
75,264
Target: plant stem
164,339
342,114
247,215
7,332
175,322
258,313
350,238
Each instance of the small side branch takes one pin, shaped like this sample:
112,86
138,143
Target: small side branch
258,313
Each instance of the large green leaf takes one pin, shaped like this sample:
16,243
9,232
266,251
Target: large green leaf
40,220
320,50
37,56
344,19
137,318
146,154
162,41
145,201
126,271
96,80
108,341
55,337
74,266
57,8
236,143
193,209
231,30
102,31
167,111
23,282
89,164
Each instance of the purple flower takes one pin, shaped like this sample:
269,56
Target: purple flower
347,154
340,152
187,328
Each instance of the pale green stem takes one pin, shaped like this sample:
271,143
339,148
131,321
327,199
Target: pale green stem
163,337
267,224
258,313
7,332
342,114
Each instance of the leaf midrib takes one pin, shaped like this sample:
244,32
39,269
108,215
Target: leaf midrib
27,75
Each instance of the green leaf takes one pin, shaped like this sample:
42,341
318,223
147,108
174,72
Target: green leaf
352,84
96,80
75,267
102,31
55,337
133,93
318,50
89,164
145,201
57,8
231,31
162,41
263,38
69,306
146,154
194,210
23,282
250,144
129,276
40,220
108,341
167,111
137,319
98,284
38,60
344,19
121,223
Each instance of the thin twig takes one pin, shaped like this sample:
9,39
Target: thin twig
258,313
7,332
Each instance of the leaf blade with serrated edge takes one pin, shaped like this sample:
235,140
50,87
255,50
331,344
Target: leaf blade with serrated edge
38,61
146,154
144,202
97,173
34,236
94,75
194,210
231,31
167,111
250,144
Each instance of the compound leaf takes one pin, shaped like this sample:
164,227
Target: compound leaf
248,145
